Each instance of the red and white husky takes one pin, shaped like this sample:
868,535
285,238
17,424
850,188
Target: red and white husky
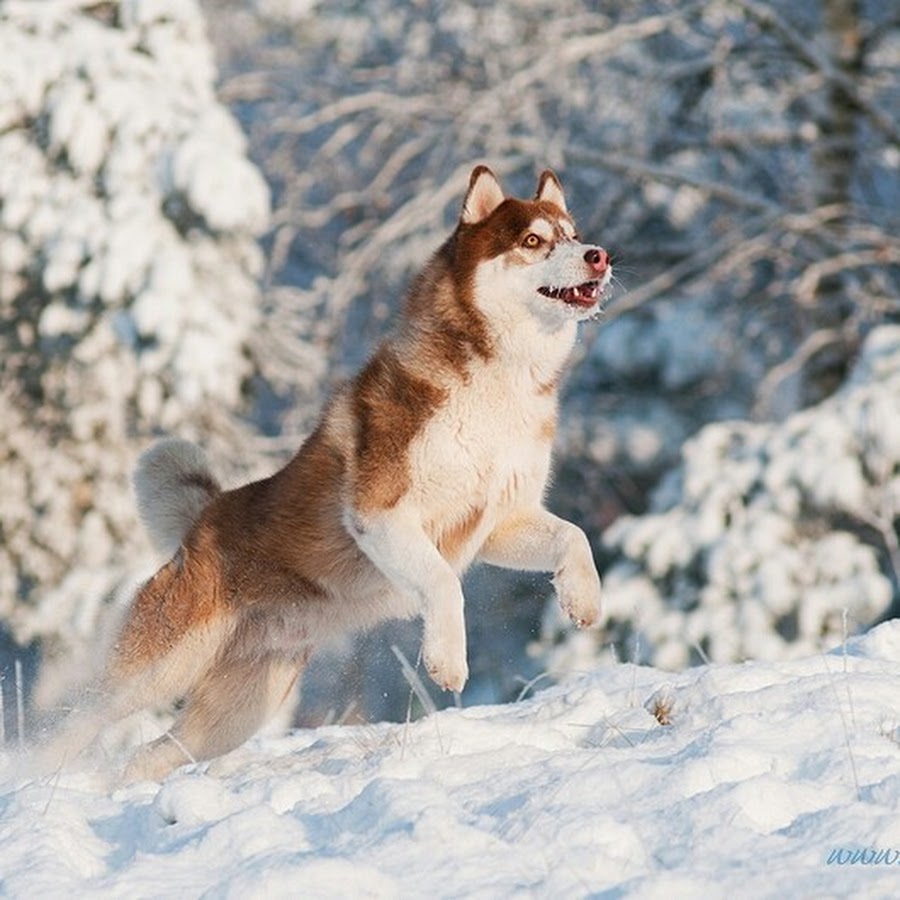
437,454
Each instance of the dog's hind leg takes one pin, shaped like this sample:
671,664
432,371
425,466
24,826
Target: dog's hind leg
229,703
125,688
156,677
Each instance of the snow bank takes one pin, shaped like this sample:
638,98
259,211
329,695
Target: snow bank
767,779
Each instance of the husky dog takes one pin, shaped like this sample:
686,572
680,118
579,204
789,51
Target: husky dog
435,455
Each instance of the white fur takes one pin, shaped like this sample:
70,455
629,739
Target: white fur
527,323
174,484
536,540
395,540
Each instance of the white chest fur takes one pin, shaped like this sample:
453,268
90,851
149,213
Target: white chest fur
485,453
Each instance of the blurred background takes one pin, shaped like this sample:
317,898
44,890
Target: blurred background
209,212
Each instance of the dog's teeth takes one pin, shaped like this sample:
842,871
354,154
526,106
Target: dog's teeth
588,291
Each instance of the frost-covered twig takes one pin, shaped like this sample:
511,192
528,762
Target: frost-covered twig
386,103
767,15
700,261
807,285
641,169
20,703
850,756
811,345
414,681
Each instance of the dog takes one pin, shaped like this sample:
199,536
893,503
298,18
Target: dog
437,454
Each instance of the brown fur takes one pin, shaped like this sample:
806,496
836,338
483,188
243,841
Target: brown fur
453,538
390,406
547,430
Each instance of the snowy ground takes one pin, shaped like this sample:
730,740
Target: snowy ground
764,783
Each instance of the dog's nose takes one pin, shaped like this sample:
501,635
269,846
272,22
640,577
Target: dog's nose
598,259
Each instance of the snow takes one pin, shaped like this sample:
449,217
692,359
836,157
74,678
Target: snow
763,772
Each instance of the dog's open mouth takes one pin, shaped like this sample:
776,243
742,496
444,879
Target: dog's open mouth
585,294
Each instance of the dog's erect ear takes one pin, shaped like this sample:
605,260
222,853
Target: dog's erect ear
483,197
551,190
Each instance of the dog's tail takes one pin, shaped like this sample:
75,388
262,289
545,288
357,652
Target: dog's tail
174,484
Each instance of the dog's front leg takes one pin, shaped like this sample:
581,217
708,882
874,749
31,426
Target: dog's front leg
537,541
394,540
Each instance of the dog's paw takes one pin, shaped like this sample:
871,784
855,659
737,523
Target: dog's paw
578,590
446,666
448,675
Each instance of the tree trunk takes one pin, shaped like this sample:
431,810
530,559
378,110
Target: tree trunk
835,163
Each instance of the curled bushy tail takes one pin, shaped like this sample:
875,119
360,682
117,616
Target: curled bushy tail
174,484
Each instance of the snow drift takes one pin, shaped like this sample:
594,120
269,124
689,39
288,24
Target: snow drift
750,780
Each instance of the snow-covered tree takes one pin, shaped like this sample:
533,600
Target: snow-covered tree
770,540
128,285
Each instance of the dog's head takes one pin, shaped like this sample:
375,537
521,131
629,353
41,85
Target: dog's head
528,253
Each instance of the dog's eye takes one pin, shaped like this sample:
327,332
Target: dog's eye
532,240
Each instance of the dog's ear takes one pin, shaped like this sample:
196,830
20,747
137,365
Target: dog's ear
551,190
483,196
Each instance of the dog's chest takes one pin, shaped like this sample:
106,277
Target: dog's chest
485,451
